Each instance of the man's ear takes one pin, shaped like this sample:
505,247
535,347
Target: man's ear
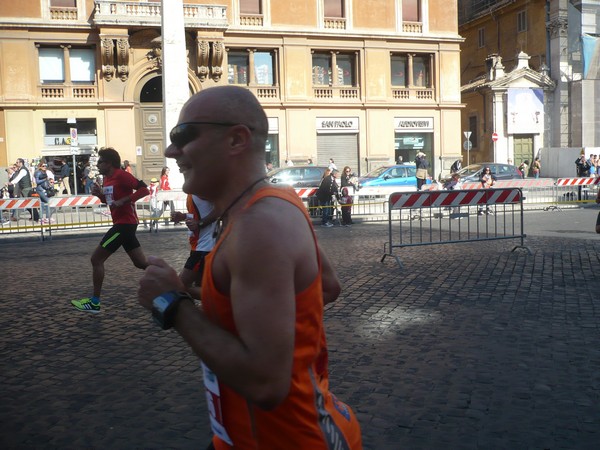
239,138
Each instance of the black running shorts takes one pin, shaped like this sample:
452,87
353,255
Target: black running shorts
195,262
121,234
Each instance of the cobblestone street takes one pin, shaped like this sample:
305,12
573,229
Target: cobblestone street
469,346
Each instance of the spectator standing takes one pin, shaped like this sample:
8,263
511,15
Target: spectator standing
536,167
260,331
65,178
289,162
309,162
327,189
487,180
348,189
127,167
593,163
42,185
165,186
88,177
421,164
399,160
582,166
524,168
10,188
332,165
155,211
23,187
120,190
346,201
456,165
454,184
13,189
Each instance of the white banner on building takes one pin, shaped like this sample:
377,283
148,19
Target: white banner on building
525,111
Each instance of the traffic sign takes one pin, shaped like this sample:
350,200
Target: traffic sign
73,133
494,137
467,145
467,134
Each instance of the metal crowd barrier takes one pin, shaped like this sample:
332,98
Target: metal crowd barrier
575,191
80,212
447,217
369,204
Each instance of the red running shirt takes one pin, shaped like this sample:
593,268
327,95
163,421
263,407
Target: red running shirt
122,184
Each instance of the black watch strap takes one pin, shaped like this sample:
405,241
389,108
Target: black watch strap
165,306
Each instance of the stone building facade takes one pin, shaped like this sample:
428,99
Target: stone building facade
362,82
551,33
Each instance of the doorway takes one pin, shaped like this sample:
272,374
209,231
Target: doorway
523,148
150,157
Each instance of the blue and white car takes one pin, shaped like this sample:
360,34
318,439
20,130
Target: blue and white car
401,176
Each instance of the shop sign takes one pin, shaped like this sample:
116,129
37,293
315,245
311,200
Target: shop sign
337,124
273,125
413,124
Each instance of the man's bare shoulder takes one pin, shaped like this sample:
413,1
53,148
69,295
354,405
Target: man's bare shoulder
275,215
277,237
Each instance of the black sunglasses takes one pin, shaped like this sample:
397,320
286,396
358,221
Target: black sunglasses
184,133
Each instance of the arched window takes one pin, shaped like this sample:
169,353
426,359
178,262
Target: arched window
152,91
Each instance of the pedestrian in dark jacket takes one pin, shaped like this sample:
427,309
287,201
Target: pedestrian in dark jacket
422,165
327,189
583,167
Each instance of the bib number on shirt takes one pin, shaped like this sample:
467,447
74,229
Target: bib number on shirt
213,400
108,194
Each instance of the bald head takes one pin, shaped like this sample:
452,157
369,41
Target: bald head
230,104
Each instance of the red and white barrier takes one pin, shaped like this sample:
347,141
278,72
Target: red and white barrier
306,192
445,217
19,203
78,200
430,199
584,181
516,183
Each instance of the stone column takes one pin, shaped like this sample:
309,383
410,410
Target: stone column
560,72
500,147
175,75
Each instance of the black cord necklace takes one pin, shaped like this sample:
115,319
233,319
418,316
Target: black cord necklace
221,218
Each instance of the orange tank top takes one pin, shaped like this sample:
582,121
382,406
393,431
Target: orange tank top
310,417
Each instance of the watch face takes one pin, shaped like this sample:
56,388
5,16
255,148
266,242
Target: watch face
161,303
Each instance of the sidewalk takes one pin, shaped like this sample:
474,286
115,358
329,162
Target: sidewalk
469,346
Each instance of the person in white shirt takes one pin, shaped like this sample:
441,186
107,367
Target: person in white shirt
332,165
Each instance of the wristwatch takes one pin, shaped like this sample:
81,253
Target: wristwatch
164,307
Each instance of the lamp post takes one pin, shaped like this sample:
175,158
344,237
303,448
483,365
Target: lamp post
73,134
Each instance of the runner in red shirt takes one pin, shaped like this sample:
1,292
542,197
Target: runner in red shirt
120,190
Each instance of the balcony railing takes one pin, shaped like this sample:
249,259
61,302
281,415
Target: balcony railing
251,20
336,92
412,27
67,92
129,13
266,92
63,13
412,94
334,23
